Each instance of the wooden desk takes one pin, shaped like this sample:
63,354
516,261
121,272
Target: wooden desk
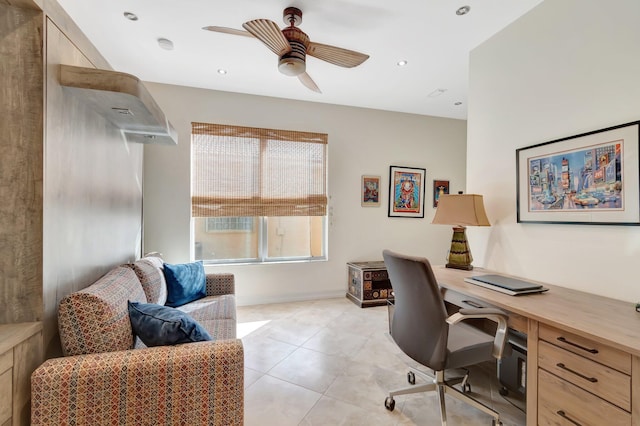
560,325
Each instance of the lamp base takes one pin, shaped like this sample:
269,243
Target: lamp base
463,267
459,253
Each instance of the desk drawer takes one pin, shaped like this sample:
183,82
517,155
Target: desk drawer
598,379
587,348
561,403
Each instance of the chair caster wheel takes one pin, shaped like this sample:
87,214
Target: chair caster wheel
496,423
503,391
389,403
411,378
466,388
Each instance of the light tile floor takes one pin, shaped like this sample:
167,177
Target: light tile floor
329,362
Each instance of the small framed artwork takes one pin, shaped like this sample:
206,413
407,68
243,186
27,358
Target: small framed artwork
370,191
591,179
406,191
440,187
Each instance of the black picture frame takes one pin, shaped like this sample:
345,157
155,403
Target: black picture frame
592,178
406,191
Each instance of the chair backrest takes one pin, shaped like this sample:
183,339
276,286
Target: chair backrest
419,325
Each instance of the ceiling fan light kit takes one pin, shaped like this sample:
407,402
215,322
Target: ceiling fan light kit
293,63
292,46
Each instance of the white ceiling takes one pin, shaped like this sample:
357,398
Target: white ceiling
426,33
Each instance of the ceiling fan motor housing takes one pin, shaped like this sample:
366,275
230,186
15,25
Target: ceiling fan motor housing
293,63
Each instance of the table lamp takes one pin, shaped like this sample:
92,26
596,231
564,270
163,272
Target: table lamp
460,210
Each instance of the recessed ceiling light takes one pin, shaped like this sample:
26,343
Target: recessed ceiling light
436,92
458,103
463,10
222,71
131,16
165,43
402,63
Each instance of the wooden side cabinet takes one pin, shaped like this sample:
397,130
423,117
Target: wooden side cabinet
20,354
368,284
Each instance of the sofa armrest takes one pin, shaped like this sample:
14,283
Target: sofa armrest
191,384
220,283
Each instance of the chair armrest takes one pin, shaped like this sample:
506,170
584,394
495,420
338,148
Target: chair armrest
500,339
194,383
220,283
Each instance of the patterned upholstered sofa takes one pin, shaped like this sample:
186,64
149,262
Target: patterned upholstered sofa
108,377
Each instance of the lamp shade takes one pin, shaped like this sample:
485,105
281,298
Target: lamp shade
461,210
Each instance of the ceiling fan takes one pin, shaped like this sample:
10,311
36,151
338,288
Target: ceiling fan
292,45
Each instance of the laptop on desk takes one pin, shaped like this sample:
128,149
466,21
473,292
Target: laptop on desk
508,285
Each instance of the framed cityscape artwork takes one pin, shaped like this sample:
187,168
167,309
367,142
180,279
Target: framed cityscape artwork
440,187
406,191
370,191
590,178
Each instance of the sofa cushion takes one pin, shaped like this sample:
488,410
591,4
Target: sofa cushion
185,283
217,314
211,308
96,319
220,329
158,325
149,272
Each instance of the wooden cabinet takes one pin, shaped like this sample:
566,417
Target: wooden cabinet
20,355
581,381
368,284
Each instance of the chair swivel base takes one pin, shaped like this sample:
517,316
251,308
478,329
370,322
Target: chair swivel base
441,386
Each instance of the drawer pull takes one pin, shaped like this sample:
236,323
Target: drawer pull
472,303
563,340
591,379
564,416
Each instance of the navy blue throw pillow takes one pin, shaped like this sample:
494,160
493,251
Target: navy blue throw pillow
158,325
186,282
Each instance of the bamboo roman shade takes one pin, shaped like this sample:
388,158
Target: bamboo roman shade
245,171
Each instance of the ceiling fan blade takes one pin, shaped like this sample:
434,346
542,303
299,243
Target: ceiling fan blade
308,82
336,55
228,31
268,32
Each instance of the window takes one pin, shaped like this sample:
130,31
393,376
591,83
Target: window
258,195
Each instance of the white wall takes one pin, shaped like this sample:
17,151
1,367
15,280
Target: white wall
565,68
361,141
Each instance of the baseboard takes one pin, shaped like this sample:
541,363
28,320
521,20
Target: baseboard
284,298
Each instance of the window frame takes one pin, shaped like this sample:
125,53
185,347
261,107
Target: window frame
263,245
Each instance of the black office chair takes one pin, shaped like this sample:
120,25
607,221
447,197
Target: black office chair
422,329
